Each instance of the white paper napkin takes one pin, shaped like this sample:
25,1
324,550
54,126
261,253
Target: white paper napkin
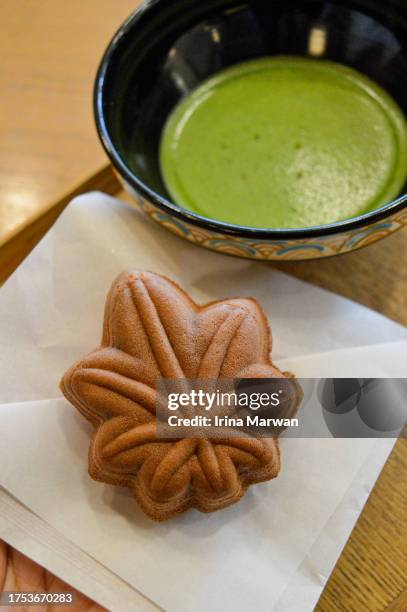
51,309
259,553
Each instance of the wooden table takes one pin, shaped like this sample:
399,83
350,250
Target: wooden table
50,50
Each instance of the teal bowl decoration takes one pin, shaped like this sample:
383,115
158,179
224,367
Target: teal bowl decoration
166,49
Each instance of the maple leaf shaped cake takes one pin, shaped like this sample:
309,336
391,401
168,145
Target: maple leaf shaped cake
153,329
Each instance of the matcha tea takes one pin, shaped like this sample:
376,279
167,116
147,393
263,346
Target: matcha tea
285,142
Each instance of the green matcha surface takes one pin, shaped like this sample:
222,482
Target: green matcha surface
284,142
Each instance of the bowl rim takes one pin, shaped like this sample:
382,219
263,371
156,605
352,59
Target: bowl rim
167,206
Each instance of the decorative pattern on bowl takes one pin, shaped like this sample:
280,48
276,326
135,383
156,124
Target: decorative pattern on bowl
277,250
164,50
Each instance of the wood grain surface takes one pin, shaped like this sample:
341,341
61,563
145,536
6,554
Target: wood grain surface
49,50
371,574
375,276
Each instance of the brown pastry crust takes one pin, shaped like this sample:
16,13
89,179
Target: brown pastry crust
153,329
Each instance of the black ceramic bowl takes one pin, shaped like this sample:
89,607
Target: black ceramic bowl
167,47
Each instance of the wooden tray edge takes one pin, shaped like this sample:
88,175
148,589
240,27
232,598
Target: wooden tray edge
16,248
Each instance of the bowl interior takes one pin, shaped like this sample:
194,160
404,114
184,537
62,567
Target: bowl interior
167,48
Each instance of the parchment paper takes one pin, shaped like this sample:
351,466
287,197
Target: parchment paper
273,550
